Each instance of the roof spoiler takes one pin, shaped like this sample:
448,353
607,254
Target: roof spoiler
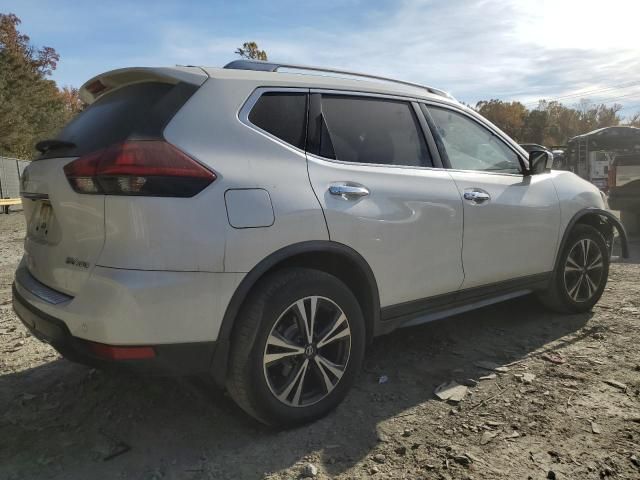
109,81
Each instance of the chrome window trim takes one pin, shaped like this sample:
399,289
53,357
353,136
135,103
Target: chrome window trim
243,114
359,164
484,172
247,106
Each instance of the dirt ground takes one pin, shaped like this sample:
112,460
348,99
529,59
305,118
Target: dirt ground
565,405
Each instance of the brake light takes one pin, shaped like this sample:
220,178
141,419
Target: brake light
96,87
612,176
146,168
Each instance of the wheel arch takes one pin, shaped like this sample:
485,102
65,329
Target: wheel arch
602,220
325,255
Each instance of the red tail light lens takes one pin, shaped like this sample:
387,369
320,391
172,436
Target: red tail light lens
147,168
96,87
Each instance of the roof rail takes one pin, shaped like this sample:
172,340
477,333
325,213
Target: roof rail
262,66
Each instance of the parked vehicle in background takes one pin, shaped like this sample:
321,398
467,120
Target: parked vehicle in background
262,227
624,189
590,155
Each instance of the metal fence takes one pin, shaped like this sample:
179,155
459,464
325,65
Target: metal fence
10,173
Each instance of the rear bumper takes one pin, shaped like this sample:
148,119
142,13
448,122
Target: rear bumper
181,358
135,307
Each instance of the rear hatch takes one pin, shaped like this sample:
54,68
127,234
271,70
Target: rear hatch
66,229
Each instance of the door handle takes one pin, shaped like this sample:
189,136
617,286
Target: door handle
348,191
477,196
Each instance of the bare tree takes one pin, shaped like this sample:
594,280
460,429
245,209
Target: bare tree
633,120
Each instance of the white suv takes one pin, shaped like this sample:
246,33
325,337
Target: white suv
263,227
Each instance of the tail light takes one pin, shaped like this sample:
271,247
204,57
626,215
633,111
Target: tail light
612,176
145,168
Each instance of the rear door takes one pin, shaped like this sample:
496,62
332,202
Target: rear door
66,229
511,221
372,170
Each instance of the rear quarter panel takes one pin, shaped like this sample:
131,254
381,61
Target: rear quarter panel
208,129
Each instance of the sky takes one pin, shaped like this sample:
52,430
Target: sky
476,49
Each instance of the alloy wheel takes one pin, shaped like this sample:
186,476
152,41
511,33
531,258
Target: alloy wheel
583,270
307,351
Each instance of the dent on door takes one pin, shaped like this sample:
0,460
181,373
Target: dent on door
406,223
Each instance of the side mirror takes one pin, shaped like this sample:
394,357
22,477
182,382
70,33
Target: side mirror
540,161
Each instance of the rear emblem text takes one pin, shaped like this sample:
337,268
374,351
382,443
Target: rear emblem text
76,262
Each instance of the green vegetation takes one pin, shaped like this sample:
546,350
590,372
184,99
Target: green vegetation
31,105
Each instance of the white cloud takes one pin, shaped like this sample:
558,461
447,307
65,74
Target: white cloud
476,49
582,24
483,49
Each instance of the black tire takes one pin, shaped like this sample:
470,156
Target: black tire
267,306
561,296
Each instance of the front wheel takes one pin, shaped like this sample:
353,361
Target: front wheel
297,348
581,274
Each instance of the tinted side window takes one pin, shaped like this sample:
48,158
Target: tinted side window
367,130
471,146
283,115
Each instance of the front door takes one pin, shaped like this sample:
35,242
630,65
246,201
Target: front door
511,221
373,174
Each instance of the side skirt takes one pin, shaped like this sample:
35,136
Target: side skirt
417,312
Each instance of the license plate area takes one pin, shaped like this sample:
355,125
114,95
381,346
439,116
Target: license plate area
41,222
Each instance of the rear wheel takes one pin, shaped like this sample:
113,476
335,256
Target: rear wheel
581,274
297,347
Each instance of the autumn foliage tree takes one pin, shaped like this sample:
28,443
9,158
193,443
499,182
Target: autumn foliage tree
509,116
251,51
71,99
31,106
550,123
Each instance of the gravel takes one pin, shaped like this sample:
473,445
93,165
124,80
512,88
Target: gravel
65,421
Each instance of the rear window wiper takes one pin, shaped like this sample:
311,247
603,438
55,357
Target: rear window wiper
45,145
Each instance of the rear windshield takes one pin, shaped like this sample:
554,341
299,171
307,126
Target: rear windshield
136,111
